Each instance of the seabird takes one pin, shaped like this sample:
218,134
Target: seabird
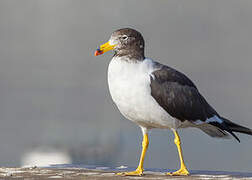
154,95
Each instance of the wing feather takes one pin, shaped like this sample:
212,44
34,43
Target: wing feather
178,95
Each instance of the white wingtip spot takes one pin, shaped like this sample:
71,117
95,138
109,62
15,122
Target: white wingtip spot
214,119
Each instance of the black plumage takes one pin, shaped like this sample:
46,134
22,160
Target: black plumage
178,95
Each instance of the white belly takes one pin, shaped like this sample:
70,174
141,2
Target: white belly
129,85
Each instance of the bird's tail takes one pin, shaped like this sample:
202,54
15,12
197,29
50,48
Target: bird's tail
230,127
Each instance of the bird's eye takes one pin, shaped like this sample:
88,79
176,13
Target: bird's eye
124,37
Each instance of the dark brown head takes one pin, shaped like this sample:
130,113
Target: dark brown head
125,42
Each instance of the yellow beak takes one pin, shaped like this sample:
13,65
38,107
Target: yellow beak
104,48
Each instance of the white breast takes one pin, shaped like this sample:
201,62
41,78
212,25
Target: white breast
129,85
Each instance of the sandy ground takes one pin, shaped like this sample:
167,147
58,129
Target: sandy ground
104,173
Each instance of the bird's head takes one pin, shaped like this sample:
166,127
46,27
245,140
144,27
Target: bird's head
125,42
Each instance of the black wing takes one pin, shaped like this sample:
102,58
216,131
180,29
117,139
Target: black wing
177,94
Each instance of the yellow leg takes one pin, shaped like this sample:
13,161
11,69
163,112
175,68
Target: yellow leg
183,170
139,170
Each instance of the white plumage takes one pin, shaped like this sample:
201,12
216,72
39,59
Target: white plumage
129,85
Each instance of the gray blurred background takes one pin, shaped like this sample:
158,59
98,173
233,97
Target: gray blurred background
54,99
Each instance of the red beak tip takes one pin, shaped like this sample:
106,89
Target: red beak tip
98,52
